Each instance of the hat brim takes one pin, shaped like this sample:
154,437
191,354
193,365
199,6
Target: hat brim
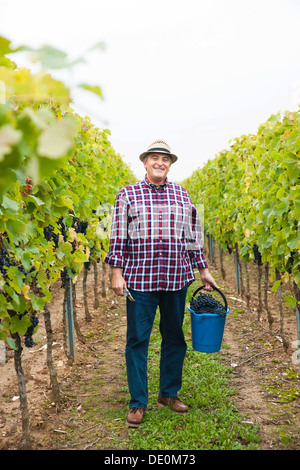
173,157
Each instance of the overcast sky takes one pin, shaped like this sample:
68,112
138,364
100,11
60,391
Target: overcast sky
196,73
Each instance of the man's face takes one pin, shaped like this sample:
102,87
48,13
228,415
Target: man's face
157,167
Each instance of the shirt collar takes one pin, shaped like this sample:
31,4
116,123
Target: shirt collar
161,187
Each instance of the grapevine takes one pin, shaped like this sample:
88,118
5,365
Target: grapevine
29,343
5,261
57,167
251,195
252,205
257,255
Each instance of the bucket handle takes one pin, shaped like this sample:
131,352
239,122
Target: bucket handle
214,288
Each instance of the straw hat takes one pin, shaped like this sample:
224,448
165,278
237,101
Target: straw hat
159,146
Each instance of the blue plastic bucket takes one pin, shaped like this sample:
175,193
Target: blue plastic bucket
207,329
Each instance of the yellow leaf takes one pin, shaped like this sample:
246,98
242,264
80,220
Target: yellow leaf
37,265
25,289
72,233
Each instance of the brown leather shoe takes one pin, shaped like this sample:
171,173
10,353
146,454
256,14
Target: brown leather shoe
135,417
174,403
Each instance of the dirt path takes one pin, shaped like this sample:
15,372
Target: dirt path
266,377
94,387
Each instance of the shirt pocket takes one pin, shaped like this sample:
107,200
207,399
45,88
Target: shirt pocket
179,220
138,222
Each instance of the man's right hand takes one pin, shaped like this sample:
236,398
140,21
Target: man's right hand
117,281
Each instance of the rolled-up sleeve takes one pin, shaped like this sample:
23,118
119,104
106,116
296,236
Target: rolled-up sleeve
119,230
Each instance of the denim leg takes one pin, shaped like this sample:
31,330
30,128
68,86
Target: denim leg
140,318
173,346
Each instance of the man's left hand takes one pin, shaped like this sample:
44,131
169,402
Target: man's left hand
207,279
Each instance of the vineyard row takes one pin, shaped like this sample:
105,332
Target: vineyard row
251,198
58,174
251,195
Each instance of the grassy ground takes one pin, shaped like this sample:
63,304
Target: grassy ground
212,423
94,401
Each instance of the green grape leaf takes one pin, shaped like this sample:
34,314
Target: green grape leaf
8,138
19,325
94,89
10,204
52,58
57,139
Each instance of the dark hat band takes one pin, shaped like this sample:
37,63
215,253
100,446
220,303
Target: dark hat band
158,149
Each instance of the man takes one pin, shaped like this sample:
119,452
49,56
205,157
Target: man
154,246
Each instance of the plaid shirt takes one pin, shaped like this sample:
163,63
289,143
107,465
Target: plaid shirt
155,237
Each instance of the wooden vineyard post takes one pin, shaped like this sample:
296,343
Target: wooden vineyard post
26,442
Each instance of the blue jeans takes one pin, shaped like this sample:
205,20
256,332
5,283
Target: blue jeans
140,319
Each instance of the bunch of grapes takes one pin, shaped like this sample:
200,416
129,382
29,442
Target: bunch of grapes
5,261
87,264
62,228
80,226
50,235
206,303
228,248
257,255
29,343
63,276
291,262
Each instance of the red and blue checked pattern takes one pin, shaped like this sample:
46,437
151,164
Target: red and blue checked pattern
155,237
